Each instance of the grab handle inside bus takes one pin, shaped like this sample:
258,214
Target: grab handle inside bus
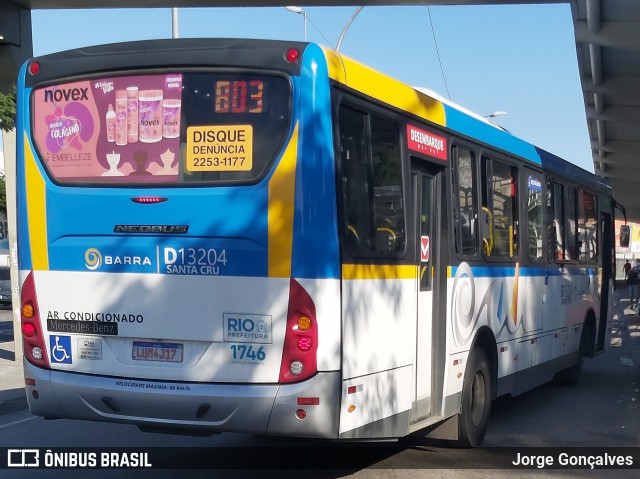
487,241
625,236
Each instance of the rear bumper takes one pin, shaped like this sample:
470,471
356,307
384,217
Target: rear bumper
252,409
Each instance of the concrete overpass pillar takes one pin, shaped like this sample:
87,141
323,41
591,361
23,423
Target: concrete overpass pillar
16,45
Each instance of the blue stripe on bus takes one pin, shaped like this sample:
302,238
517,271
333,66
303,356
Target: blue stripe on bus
524,271
315,242
24,251
241,232
493,136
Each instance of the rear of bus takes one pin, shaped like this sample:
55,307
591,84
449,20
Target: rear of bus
177,228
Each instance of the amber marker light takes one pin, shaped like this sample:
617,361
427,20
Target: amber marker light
304,323
27,311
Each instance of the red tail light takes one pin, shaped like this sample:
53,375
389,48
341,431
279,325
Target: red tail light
299,355
32,338
292,55
305,343
34,68
149,200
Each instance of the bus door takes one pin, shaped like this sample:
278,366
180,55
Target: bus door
606,233
426,184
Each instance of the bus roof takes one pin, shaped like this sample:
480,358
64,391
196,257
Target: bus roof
436,109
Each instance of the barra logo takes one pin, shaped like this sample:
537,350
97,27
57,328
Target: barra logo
23,457
92,259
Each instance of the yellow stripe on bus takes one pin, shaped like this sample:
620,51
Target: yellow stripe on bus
379,271
380,86
37,211
281,197
514,299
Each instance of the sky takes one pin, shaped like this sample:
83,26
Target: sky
519,59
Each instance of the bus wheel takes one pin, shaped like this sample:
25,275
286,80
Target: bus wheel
476,399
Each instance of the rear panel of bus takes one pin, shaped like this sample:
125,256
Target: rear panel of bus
170,275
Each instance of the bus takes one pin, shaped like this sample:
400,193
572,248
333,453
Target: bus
267,237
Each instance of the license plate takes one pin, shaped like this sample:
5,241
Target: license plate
164,352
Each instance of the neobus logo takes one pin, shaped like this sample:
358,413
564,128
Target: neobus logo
163,229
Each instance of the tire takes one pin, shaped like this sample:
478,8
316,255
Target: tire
476,399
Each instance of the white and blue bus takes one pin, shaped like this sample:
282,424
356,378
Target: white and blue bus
268,237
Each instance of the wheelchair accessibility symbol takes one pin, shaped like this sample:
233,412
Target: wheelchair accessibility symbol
60,348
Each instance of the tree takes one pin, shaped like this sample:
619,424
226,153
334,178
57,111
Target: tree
7,123
3,197
8,109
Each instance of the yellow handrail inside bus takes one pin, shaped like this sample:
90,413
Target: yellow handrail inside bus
384,229
511,241
488,244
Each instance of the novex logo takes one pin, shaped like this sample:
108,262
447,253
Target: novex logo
66,94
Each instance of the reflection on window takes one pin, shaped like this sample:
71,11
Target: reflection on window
570,224
551,223
534,217
500,204
371,184
387,185
426,229
466,215
565,233
587,227
558,221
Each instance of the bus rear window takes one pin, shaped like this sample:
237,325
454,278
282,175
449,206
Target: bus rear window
172,128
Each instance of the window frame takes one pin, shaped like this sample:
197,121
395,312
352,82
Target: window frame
595,258
526,173
486,188
455,187
368,109
139,72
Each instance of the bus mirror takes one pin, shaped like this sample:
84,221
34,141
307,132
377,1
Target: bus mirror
487,230
625,236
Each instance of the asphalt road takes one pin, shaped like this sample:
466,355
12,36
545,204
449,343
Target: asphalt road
601,411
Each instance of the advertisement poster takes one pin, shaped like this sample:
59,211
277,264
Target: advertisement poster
115,130
635,238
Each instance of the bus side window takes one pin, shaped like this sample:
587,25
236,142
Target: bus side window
500,204
571,234
565,224
372,195
355,182
558,222
465,213
534,218
387,186
587,226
